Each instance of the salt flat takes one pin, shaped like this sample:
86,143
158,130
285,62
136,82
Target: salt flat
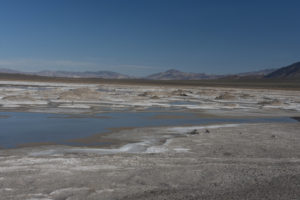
73,97
213,161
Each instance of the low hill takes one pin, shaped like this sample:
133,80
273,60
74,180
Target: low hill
261,73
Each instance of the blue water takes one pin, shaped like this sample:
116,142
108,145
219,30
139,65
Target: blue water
21,128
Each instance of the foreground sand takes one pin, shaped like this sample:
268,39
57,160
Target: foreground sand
249,161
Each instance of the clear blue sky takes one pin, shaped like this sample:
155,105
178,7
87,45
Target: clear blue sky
140,37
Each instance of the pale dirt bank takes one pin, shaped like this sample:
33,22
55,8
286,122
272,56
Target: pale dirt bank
249,161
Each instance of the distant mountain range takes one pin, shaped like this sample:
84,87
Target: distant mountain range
291,71
87,74
9,71
69,74
178,75
173,74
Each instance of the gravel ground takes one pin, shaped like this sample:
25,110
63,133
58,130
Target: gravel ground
249,161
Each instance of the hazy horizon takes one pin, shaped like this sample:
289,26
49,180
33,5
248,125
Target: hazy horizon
139,38
137,76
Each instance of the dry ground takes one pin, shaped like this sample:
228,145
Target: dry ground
256,161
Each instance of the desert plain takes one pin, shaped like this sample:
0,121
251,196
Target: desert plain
258,158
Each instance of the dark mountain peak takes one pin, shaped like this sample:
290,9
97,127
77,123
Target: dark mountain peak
290,71
296,64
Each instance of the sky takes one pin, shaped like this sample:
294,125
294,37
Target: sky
141,37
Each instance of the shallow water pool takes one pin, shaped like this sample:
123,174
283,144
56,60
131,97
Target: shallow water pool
17,128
